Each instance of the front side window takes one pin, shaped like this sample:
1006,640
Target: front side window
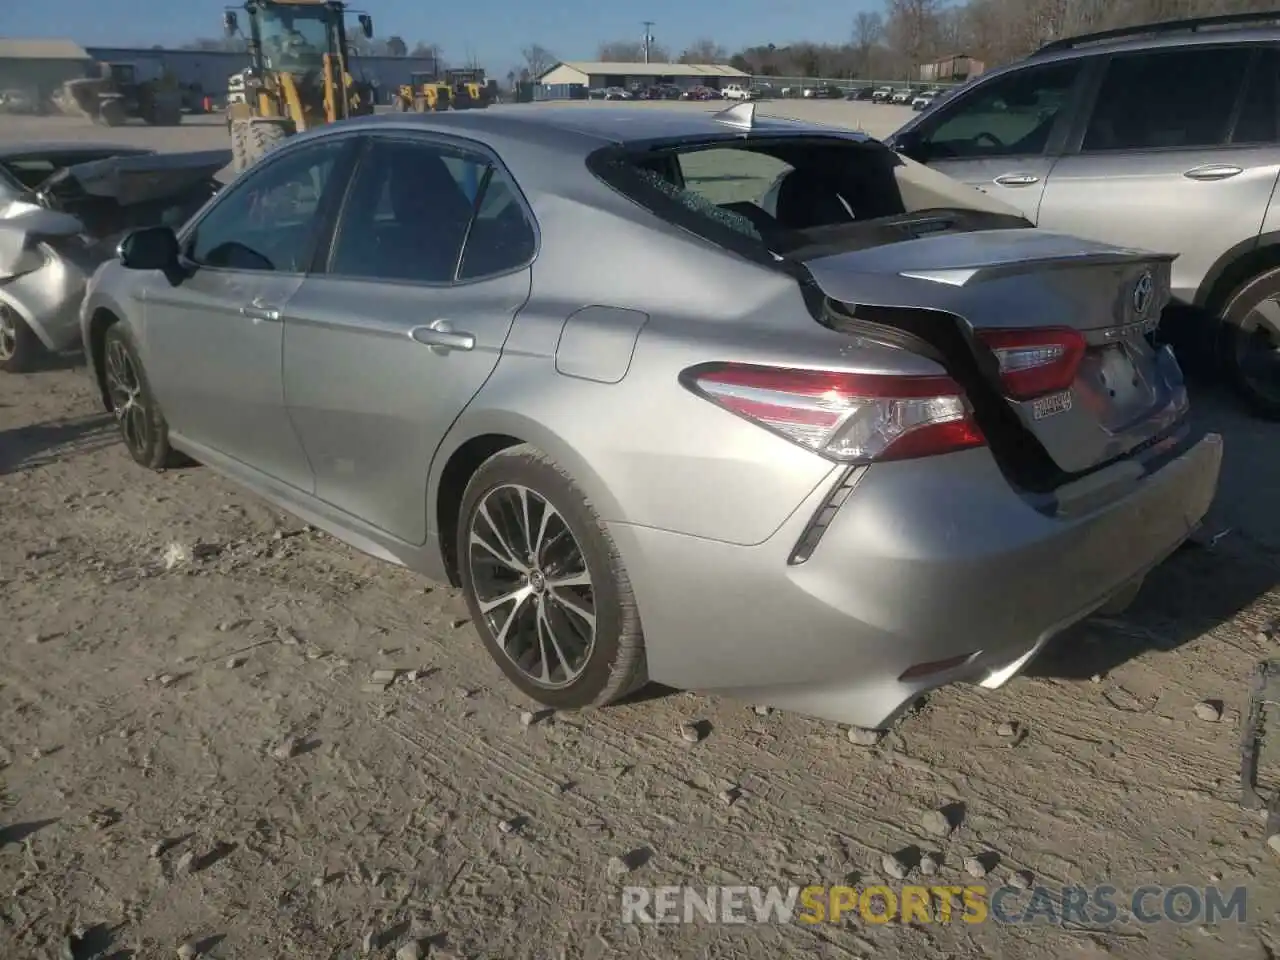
1152,101
268,221
1009,116
415,203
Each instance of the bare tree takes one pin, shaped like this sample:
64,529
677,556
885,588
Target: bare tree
868,31
538,59
703,50
911,28
430,51
629,51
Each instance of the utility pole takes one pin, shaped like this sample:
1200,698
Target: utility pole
648,38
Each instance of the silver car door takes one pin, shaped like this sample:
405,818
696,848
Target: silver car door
214,339
1001,135
385,348
1178,155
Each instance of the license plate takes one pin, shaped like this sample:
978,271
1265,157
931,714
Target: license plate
1054,403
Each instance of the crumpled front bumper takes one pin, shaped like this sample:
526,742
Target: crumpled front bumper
48,298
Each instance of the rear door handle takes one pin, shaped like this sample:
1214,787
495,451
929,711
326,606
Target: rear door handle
1213,171
258,310
1017,179
441,337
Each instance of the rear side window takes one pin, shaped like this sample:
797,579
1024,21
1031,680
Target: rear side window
426,212
1167,100
1257,120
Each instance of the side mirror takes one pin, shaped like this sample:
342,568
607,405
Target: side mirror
150,248
366,26
230,23
911,144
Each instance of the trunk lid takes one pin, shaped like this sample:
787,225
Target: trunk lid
1026,285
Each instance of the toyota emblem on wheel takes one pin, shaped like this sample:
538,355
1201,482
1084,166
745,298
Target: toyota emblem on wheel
1142,293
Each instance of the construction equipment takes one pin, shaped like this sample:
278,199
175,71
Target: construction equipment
298,76
118,93
423,93
469,88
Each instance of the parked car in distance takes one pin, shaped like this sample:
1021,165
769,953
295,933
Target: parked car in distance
1119,137
882,94
861,93
616,93
736,91
606,483
901,96
922,101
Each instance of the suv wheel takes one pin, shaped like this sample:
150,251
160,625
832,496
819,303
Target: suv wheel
1251,342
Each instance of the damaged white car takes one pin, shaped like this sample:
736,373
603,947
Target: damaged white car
63,208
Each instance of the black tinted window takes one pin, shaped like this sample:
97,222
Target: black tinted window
1257,121
1011,115
501,237
267,222
1183,98
413,205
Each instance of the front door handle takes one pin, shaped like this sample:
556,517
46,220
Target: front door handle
258,310
1213,171
440,336
1017,179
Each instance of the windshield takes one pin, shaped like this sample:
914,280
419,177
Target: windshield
294,40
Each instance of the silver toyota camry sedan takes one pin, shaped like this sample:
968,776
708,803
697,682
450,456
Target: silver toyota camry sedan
826,451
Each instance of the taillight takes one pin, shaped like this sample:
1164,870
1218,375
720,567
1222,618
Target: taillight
1036,361
845,416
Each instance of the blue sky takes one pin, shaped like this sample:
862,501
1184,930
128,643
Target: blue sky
493,30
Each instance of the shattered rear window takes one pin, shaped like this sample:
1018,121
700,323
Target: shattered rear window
696,203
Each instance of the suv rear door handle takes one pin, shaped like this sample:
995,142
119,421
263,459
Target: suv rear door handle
1017,179
1213,171
440,336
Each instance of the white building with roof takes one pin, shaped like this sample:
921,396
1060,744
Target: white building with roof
597,75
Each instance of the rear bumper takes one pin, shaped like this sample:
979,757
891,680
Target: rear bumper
924,562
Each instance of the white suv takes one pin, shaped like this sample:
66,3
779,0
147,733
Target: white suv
736,91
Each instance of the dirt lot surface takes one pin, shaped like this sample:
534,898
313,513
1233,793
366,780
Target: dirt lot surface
190,752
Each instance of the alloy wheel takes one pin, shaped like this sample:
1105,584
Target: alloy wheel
8,333
125,390
1257,349
532,584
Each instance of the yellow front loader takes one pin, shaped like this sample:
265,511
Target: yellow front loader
423,93
299,74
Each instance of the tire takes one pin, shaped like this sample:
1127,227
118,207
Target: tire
112,113
20,349
253,139
608,667
1245,343
142,425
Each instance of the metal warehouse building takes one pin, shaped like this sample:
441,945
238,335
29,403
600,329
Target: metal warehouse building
209,69
40,67
596,75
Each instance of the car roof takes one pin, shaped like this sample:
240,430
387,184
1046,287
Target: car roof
39,150
1137,41
578,125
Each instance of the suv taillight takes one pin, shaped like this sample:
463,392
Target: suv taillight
844,416
1036,361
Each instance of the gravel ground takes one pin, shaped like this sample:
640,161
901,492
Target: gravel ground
191,752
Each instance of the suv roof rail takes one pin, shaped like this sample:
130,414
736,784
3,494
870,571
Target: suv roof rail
1191,25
